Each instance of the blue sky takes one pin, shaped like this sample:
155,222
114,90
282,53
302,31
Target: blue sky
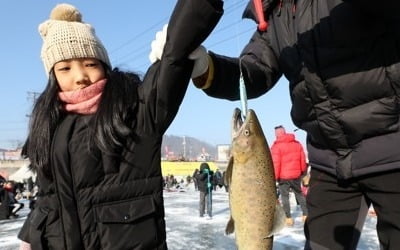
127,28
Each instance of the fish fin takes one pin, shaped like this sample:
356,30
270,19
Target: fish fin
228,173
279,220
230,227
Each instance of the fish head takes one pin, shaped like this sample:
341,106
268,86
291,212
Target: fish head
247,135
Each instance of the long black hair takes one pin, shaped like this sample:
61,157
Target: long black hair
114,118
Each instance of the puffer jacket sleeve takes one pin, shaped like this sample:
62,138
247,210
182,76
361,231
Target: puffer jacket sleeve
303,162
276,159
387,9
259,65
166,81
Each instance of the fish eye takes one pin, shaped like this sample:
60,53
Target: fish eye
246,132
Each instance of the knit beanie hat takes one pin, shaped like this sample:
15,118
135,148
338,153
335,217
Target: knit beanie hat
65,36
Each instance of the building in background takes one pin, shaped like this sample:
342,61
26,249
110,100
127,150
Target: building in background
10,154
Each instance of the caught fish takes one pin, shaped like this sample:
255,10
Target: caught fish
255,211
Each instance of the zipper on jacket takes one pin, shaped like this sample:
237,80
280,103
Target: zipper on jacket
279,8
55,183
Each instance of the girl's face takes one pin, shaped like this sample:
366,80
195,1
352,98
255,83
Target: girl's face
79,73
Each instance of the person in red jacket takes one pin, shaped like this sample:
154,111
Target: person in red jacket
290,164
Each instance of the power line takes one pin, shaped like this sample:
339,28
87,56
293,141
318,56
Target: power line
136,52
138,35
32,97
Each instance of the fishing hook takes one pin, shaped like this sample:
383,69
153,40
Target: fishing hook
242,91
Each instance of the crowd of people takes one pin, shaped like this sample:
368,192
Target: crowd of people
171,181
204,180
11,195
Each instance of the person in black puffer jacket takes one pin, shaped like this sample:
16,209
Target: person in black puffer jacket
204,181
342,61
96,132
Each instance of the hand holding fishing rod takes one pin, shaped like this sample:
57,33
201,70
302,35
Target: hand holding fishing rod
199,55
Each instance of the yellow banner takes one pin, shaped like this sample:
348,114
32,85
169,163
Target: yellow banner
182,168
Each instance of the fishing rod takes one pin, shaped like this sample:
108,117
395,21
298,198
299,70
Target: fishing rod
262,26
209,205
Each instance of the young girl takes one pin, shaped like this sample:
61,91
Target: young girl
95,134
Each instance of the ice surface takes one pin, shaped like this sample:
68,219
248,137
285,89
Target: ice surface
186,230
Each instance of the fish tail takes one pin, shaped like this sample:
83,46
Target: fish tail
230,227
279,219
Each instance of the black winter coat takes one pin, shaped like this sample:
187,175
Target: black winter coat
98,202
204,179
342,61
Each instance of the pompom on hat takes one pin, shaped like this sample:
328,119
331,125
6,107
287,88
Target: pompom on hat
65,36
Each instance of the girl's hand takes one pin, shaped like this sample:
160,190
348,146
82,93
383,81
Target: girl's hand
157,45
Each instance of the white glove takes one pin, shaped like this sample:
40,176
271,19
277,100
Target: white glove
157,45
200,58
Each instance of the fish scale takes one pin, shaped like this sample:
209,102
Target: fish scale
252,190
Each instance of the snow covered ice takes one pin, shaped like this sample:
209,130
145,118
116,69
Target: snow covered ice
186,230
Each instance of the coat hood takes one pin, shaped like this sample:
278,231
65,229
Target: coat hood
285,138
203,166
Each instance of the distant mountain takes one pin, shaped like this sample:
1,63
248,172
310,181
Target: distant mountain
173,148
186,148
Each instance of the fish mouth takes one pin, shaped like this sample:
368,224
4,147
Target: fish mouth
237,122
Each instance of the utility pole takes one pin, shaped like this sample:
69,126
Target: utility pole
32,97
184,147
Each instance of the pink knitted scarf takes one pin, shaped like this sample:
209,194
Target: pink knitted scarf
83,101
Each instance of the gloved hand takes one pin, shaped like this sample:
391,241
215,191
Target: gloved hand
200,58
157,45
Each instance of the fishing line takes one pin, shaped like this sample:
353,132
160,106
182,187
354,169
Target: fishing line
262,26
242,85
